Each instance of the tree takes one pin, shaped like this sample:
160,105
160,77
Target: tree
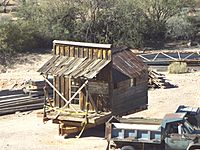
156,14
180,27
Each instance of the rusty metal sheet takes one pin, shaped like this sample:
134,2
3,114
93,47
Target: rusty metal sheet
74,67
128,63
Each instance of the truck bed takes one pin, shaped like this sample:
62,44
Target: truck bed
136,133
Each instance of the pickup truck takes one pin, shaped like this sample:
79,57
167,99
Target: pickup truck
174,133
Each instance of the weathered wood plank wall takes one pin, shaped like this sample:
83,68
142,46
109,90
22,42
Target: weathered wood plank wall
82,52
128,98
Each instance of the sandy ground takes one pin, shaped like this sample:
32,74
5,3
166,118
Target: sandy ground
162,101
27,132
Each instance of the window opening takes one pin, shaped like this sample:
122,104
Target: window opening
74,89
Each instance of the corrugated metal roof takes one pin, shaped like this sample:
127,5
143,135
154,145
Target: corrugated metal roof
83,44
74,67
128,63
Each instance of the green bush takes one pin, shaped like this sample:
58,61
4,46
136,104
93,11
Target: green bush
178,67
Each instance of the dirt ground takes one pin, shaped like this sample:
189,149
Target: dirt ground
26,131
162,101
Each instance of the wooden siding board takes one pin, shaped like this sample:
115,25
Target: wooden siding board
67,51
66,95
133,89
80,52
98,88
71,51
122,99
127,104
62,84
54,92
57,97
129,99
129,107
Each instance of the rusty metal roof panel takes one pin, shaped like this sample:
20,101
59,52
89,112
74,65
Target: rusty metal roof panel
128,63
74,67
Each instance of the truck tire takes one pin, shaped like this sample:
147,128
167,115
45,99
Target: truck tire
194,147
127,148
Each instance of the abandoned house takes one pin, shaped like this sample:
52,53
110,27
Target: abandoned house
91,82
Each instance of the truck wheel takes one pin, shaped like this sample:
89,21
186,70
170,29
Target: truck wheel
127,148
194,147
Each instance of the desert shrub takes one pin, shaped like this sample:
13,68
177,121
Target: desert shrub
178,67
18,36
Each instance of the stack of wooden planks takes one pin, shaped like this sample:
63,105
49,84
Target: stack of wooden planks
158,80
36,88
17,100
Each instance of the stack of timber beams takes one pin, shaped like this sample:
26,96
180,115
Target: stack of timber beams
158,80
17,101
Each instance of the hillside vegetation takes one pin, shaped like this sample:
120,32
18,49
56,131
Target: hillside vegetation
135,23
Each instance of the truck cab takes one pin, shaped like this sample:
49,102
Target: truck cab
192,114
178,133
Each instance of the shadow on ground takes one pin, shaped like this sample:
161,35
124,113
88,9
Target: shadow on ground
98,131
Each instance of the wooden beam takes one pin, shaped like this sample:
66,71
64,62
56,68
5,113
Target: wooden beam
91,100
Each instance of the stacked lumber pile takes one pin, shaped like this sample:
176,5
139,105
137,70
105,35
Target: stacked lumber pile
16,100
29,97
36,88
158,80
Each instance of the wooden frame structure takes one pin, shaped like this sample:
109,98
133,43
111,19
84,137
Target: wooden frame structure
91,82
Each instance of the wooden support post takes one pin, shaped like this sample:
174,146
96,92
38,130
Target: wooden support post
91,100
45,98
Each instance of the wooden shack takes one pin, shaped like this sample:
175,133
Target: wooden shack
91,82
